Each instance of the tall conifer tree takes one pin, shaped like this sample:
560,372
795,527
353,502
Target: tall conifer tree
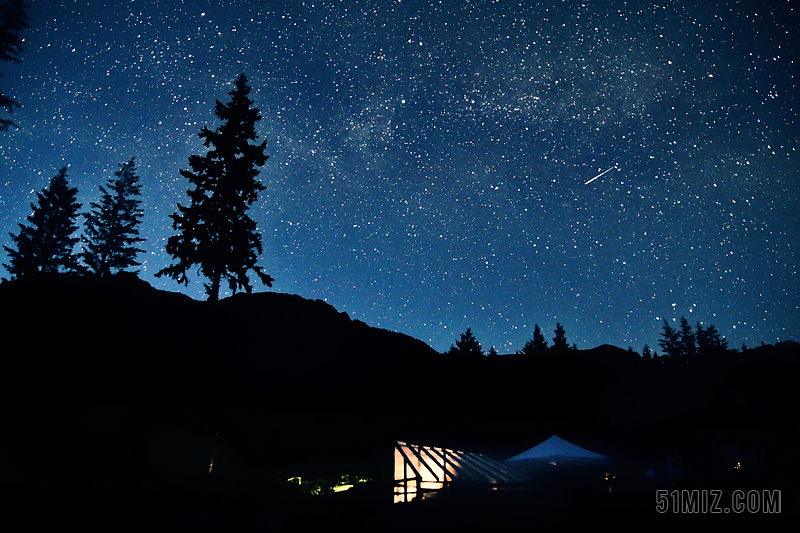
537,345
215,231
46,245
112,226
560,340
686,339
669,340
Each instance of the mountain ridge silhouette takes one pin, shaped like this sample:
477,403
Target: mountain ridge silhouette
81,331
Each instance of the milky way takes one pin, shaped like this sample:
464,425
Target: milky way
429,160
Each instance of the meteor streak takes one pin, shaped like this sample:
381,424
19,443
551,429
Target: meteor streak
601,174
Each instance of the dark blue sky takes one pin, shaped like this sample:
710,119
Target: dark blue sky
429,160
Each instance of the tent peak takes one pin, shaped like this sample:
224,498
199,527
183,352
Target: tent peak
557,449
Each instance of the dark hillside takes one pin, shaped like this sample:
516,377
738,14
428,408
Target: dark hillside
118,339
110,367
115,392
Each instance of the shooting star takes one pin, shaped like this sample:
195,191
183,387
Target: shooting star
601,174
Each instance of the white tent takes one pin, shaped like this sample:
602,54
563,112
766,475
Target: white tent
556,451
557,465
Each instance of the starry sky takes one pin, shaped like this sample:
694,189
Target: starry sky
431,162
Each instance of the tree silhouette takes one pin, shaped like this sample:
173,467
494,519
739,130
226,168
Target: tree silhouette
527,349
466,345
560,340
111,226
700,337
686,339
537,344
45,246
709,341
669,341
214,231
646,354
13,19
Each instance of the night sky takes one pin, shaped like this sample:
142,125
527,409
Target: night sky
431,162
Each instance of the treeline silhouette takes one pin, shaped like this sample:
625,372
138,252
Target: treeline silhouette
134,343
679,345
46,245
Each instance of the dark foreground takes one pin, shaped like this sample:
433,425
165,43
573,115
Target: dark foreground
104,467
98,510
116,400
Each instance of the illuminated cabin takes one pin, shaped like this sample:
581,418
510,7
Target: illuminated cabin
422,471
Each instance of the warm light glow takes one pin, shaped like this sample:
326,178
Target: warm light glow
422,471
317,487
211,466
610,478
432,475
348,482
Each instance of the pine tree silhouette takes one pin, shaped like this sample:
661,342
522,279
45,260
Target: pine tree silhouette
560,340
717,342
527,349
686,339
45,246
669,341
537,344
709,341
214,231
111,226
467,345
13,19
